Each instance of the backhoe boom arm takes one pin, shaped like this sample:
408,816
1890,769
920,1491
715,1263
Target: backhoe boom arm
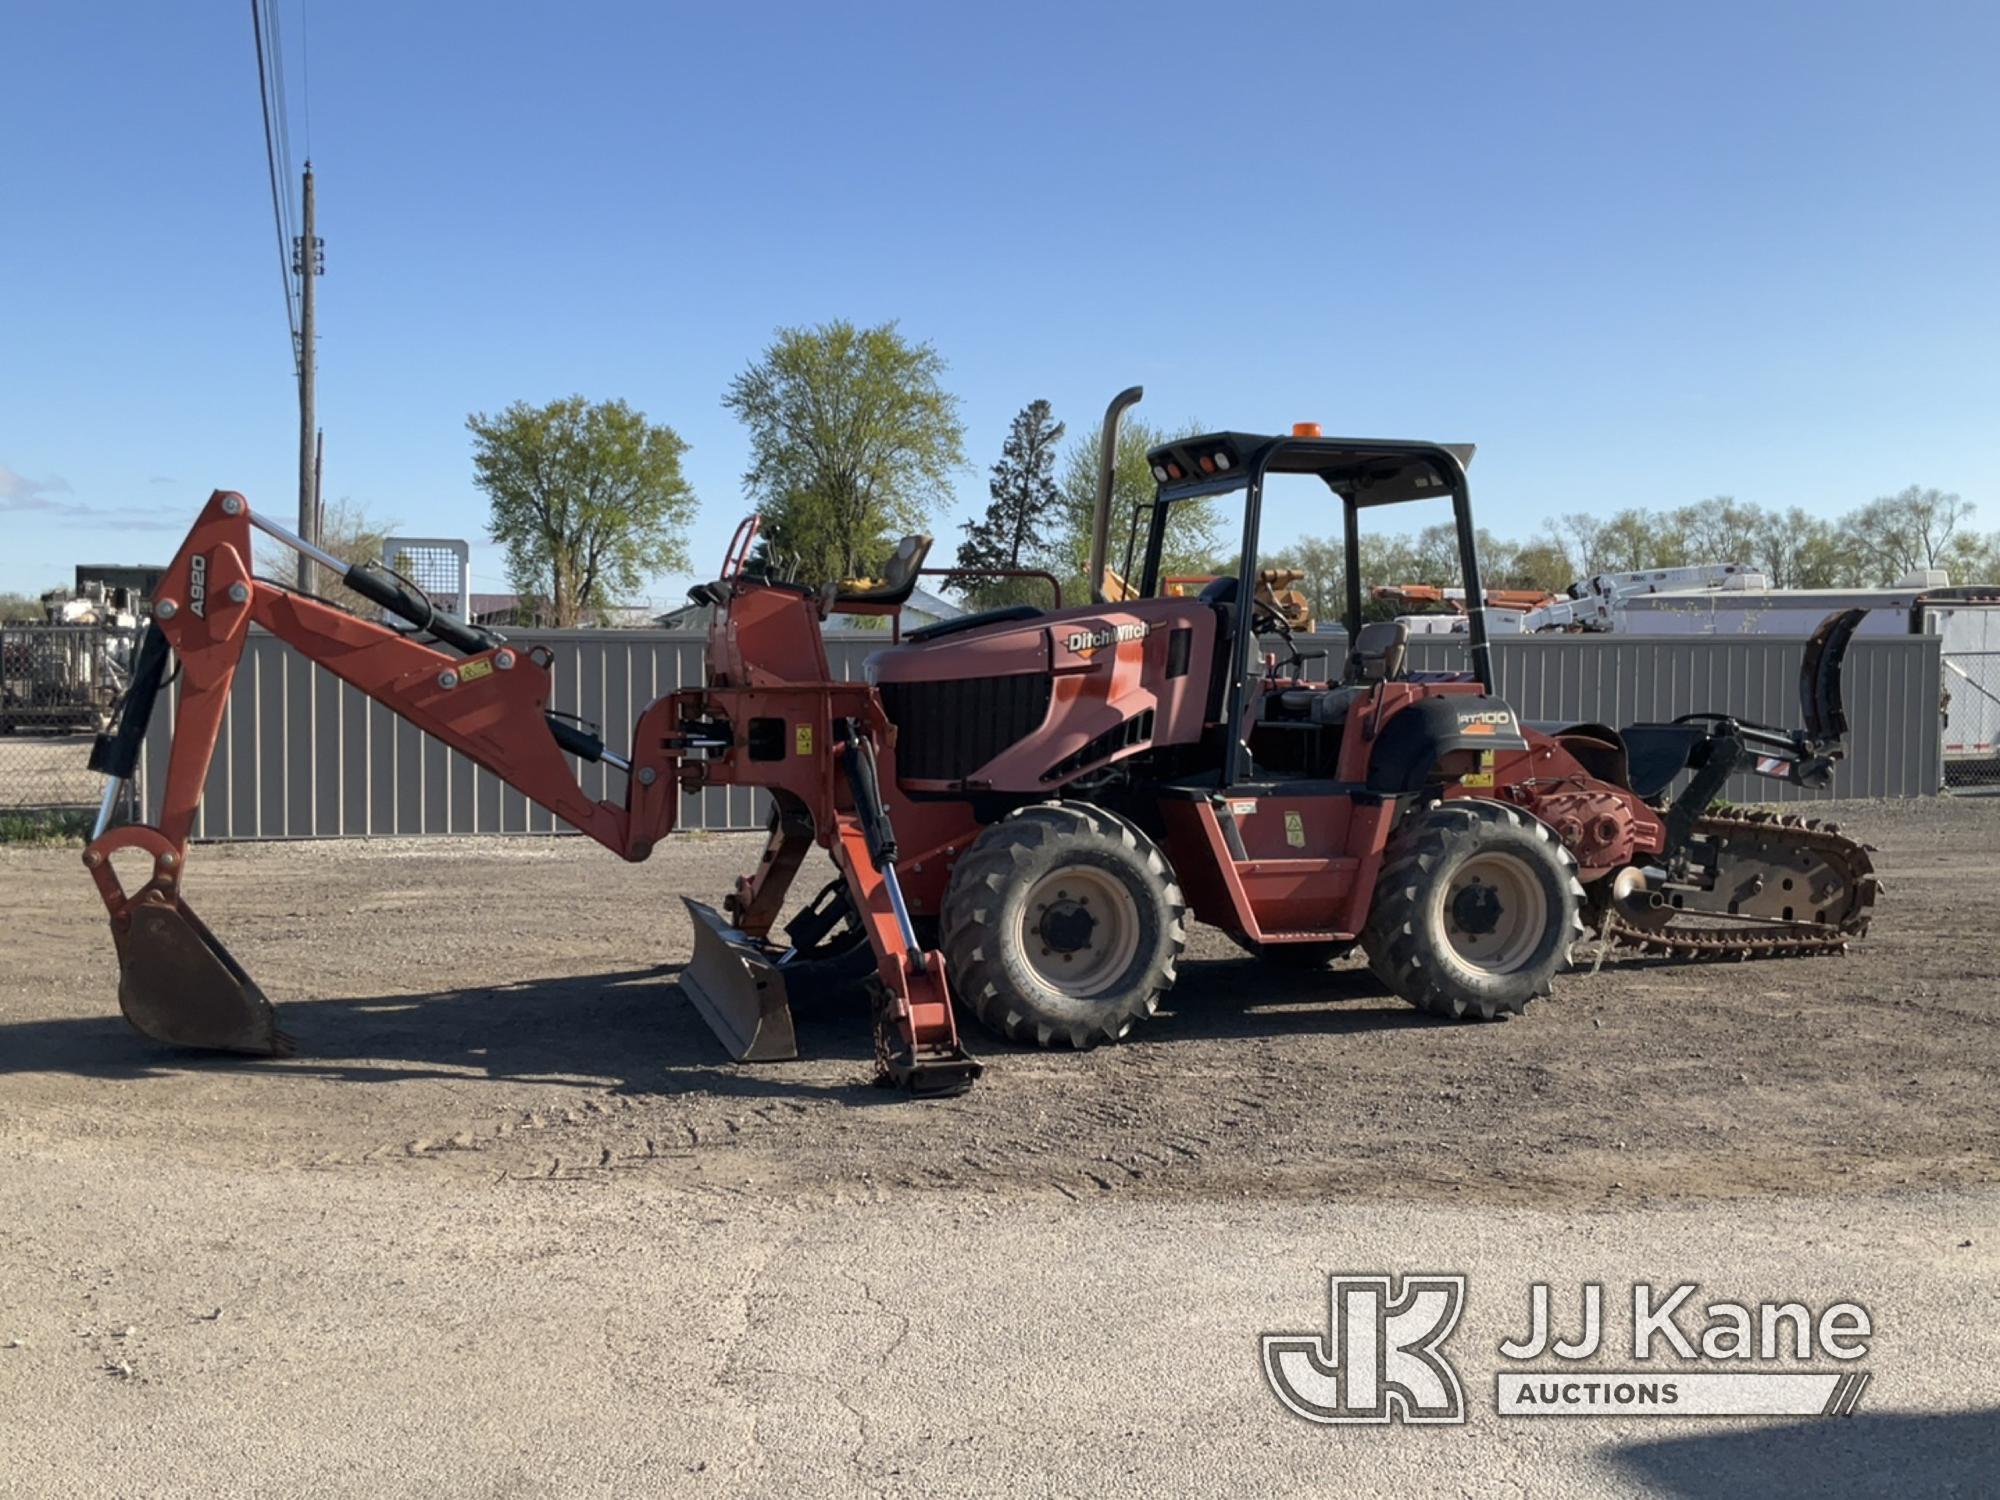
491,705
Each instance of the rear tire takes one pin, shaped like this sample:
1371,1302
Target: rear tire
1474,911
1062,926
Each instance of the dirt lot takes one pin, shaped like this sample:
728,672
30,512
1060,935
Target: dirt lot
521,995
508,1155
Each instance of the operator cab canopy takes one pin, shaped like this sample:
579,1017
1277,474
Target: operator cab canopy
1369,471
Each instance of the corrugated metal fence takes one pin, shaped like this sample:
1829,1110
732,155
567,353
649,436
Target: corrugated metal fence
302,755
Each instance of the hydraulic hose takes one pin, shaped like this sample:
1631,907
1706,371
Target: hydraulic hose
860,768
858,758
116,753
408,603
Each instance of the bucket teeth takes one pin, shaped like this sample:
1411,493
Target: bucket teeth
739,991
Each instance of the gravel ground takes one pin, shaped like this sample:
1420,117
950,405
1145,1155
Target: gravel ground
510,1223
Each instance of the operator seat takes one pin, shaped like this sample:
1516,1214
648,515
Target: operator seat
890,592
1378,654
1380,648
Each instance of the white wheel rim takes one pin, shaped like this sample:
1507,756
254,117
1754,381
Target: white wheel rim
1079,930
1494,912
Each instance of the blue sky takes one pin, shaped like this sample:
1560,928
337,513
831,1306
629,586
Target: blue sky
1640,255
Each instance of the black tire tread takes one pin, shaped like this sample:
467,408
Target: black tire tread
1394,938
977,892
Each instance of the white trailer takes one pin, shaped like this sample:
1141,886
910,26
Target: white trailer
1966,621
1734,599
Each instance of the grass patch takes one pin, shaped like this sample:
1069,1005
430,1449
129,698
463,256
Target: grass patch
47,827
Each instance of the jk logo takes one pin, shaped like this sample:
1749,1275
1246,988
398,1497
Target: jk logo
1378,1361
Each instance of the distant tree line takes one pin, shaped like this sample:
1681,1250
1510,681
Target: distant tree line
1871,546
855,440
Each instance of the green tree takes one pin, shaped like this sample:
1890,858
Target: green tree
853,439
1635,540
1323,562
1719,530
1578,535
1826,559
1901,533
1194,527
1795,550
1434,555
587,500
1972,557
1023,491
1538,563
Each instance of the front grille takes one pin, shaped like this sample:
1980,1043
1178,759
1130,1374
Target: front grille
1136,730
945,731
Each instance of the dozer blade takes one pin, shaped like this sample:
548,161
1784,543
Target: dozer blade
178,985
737,989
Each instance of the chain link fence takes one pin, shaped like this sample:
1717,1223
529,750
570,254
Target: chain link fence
58,684
1971,711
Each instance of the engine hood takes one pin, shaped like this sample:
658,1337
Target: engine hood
1061,641
1025,705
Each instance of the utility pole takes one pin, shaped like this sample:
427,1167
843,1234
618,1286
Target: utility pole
308,261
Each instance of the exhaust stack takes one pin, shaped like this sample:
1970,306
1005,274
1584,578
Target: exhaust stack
1107,475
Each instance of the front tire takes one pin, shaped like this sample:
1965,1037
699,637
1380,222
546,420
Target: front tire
1474,911
1062,926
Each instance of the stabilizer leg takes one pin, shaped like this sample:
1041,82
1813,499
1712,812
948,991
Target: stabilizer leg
916,1036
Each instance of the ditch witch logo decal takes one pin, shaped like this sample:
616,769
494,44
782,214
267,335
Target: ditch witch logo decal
1084,642
1382,1357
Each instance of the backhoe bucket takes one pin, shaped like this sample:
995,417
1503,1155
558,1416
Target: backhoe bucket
178,985
737,989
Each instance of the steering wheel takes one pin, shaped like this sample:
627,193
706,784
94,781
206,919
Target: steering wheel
1265,617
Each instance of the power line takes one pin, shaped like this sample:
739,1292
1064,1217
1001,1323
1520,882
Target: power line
298,255
277,152
306,68
281,106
